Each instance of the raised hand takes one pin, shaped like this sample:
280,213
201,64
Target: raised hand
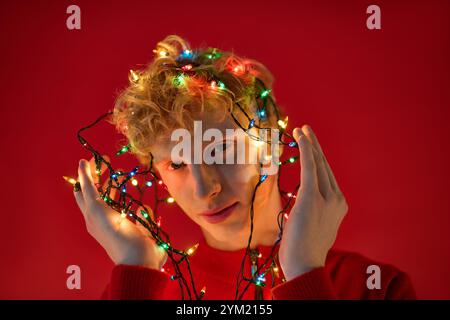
124,241
317,213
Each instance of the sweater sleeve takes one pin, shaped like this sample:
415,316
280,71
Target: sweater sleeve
400,288
136,283
315,284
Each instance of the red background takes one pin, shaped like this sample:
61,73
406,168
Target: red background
378,101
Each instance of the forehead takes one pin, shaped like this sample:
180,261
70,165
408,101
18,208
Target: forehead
162,149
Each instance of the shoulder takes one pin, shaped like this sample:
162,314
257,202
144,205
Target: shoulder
368,277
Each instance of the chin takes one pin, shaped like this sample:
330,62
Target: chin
234,224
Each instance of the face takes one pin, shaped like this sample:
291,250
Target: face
217,197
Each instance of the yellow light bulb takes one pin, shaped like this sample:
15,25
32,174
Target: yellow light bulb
133,76
161,53
134,182
282,124
70,180
170,200
192,249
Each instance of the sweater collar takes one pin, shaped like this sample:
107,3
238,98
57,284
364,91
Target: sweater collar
224,262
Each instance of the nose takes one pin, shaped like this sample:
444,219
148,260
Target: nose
206,181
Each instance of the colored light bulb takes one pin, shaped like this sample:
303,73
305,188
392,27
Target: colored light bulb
186,67
282,124
192,249
262,113
170,200
123,150
186,54
70,180
133,77
265,93
221,85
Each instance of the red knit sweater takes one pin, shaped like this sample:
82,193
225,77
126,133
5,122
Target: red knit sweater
343,277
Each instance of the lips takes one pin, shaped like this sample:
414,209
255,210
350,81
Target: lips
216,216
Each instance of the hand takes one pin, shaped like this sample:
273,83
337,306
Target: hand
124,241
315,218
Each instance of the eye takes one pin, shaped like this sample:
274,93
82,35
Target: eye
175,166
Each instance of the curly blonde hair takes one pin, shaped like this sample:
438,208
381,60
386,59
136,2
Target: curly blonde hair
180,83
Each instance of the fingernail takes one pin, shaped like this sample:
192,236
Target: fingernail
309,129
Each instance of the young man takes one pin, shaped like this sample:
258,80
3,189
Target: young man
182,86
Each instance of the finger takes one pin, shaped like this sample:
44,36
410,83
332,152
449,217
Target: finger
322,174
88,188
93,169
308,172
333,182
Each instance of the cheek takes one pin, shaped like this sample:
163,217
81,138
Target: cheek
240,173
241,179
182,195
175,186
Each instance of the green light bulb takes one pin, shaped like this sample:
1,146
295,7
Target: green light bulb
145,214
123,150
179,80
265,93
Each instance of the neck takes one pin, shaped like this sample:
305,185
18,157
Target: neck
265,225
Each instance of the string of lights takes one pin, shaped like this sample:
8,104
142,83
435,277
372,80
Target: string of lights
191,64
